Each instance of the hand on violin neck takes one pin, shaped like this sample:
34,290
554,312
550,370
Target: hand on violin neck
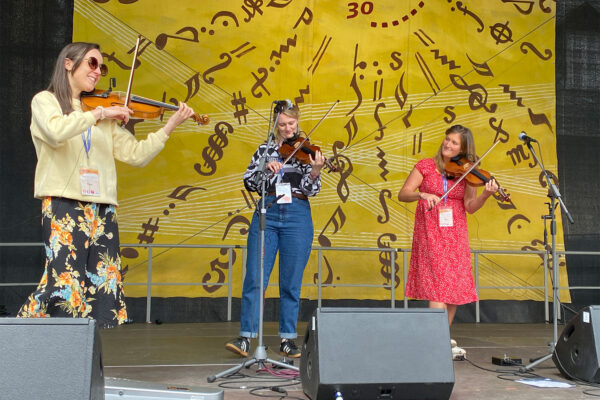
317,162
491,186
183,113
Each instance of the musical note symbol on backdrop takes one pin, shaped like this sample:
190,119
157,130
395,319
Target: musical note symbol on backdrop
161,40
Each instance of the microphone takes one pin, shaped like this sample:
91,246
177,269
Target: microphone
523,136
282,105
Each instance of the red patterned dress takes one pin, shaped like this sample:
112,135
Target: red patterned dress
440,264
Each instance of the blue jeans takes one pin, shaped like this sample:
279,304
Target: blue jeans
289,229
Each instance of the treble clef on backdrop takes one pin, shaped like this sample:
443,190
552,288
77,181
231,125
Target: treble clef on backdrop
214,151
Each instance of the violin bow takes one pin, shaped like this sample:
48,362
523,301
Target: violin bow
310,133
471,168
130,84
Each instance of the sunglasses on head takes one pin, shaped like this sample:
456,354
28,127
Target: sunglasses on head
93,64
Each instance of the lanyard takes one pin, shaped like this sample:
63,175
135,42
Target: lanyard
87,144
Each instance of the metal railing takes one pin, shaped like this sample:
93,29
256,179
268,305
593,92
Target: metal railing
320,285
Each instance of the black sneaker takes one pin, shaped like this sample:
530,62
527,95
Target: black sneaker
289,349
239,346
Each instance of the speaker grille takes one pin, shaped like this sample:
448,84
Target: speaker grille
50,359
577,349
377,353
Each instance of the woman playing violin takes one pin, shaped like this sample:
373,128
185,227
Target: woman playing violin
289,230
440,265
76,180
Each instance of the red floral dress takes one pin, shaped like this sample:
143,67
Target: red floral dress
440,264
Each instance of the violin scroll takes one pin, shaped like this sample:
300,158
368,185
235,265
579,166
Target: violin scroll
201,119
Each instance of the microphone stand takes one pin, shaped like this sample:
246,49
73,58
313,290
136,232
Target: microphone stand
260,354
554,195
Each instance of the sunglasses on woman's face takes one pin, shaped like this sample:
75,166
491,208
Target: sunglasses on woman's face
93,64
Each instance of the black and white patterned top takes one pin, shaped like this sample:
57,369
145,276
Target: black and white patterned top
294,172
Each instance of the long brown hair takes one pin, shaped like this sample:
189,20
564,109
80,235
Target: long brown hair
467,146
59,83
293,112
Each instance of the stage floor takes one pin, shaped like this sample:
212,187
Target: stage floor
186,354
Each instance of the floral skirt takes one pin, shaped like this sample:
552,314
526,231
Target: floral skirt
82,273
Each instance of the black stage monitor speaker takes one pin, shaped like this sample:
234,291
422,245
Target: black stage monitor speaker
50,359
576,352
376,353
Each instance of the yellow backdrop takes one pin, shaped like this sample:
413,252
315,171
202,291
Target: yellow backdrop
396,72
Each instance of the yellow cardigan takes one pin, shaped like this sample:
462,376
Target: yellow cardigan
61,153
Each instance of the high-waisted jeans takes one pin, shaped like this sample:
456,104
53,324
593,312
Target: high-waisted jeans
289,229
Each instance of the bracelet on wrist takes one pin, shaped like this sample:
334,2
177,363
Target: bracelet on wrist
101,111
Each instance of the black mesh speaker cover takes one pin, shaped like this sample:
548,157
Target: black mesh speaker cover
375,353
50,359
576,352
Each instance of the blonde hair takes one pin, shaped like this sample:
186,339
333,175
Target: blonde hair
467,146
293,112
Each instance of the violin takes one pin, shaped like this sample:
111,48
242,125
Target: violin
142,107
460,164
302,150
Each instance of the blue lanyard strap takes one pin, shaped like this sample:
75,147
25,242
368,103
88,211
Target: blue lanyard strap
87,144
281,170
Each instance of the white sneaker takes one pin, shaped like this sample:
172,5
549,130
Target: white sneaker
458,353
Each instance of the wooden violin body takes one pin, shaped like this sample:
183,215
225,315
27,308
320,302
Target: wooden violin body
302,150
459,165
142,107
